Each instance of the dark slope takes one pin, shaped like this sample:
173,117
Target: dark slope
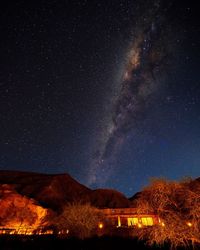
55,191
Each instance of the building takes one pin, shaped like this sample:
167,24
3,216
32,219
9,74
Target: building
128,217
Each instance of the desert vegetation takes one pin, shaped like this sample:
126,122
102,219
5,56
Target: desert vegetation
79,220
177,205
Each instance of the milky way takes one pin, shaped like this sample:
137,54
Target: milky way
106,91
142,76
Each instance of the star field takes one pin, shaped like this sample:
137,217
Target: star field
64,65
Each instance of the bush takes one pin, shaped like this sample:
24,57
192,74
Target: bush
79,220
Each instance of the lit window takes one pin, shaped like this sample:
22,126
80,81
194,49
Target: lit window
148,221
144,221
132,221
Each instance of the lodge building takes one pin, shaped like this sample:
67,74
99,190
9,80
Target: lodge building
127,217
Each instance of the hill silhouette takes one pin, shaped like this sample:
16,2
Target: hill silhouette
56,190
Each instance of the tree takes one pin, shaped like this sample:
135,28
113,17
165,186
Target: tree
79,220
177,205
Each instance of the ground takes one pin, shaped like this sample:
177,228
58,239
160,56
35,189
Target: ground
51,242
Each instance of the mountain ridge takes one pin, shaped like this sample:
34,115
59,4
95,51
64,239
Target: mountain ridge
56,190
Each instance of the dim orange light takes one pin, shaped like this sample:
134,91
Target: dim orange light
189,224
100,225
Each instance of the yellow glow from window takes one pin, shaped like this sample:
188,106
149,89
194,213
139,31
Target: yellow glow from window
148,221
189,224
132,221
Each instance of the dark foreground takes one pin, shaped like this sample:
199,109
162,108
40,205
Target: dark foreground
8,242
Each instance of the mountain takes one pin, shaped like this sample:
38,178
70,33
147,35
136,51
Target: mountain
56,190
48,190
108,198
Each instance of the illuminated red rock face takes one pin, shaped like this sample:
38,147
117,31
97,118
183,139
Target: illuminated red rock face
19,211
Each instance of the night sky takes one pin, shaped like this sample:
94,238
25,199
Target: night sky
107,91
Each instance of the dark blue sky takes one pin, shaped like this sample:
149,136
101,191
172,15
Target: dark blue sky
107,91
